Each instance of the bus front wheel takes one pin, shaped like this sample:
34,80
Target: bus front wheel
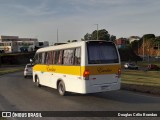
37,82
61,88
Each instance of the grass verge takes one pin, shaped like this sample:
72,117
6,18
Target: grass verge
145,64
149,78
143,81
1,118
10,70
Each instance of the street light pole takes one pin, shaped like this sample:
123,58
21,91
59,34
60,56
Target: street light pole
97,31
158,49
143,48
57,35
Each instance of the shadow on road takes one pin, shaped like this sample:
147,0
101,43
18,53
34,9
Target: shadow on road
122,96
118,96
127,97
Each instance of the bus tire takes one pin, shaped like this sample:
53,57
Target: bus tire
61,88
37,82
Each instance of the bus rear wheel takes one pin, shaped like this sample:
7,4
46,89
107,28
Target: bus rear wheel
61,88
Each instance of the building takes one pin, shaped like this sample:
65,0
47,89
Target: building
121,42
8,38
12,44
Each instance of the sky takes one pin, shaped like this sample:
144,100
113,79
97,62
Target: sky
74,18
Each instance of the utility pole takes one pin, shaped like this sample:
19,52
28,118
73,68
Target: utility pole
97,31
158,49
138,49
143,48
57,35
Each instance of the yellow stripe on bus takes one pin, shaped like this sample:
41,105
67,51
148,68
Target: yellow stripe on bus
101,70
78,70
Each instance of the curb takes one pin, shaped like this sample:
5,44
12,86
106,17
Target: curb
141,88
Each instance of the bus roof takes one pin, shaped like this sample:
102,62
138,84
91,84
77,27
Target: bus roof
67,45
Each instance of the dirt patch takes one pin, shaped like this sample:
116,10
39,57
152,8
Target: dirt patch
141,88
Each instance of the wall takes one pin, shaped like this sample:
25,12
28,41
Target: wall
14,59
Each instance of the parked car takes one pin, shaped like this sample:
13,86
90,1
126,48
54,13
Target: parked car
153,67
28,70
131,66
157,57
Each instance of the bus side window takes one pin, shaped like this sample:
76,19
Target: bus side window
46,58
53,57
68,57
49,58
58,57
77,57
43,58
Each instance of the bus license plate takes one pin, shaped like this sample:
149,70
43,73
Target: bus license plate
104,87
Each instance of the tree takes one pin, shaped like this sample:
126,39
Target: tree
149,40
74,40
69,41
82,39
113,38
134,46
0,61
127,54
102,35
148,36
88,36
157,43
146,44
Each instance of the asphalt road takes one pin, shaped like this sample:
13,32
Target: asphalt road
20,94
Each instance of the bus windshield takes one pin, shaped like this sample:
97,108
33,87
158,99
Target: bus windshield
101,52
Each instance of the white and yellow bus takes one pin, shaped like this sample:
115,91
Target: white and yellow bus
80,67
